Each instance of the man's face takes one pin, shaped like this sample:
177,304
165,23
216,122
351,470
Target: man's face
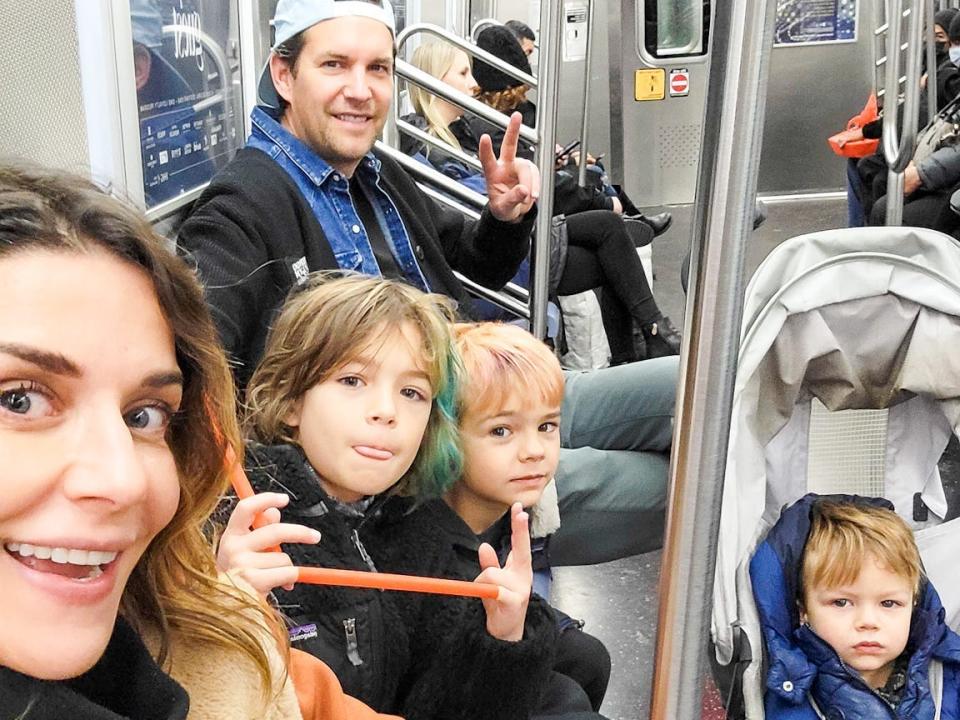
339,92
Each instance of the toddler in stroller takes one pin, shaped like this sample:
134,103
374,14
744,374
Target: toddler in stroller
852,627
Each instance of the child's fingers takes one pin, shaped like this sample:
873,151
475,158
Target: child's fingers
520,539
246,511
270,536
263,561
265,580
488,557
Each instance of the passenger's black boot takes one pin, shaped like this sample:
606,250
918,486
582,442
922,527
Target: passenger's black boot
661,338
659,223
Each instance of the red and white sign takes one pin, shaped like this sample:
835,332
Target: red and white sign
679,82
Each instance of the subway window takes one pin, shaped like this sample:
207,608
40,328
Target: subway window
673,28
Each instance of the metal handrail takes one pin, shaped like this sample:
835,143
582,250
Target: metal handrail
429,174
468,47
898,146
435,142
729,165
585,121
448,201
931,64
411,73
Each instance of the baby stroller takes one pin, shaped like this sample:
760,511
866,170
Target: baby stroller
848,382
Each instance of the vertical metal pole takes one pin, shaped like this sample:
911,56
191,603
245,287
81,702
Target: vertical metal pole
585,122
898,146
547,92
931,62
723,215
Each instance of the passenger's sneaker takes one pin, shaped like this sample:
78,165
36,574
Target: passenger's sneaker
661,338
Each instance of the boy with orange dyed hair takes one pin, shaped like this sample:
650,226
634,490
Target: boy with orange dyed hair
509,403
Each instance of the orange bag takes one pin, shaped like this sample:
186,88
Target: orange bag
850,143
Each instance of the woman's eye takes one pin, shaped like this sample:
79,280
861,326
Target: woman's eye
25,401
149,418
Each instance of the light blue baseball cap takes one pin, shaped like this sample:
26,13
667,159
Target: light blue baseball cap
295,16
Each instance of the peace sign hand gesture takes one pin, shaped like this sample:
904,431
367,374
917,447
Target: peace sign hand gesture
506,614
513,184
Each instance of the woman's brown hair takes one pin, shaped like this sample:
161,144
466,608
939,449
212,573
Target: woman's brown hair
505,101
174,586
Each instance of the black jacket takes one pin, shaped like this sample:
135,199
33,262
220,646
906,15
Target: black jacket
125,683
252,225
416,655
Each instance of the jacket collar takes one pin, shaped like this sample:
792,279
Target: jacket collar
125,683
269,129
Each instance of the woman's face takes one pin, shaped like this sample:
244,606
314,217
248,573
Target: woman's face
460,77
88,383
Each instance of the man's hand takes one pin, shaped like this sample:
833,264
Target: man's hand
513,184
506,614
911,179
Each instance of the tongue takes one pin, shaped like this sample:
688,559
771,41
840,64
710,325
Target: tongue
75,572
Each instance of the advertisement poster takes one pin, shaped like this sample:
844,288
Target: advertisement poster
807,22
189,109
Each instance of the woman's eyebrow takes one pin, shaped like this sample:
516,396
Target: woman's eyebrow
163,379
50,361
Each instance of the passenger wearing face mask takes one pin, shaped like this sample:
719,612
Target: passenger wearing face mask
953,35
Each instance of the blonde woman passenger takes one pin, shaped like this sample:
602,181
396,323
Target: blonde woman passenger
591,247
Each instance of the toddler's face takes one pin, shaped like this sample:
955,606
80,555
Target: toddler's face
867,622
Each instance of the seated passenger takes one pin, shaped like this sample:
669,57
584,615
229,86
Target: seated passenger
852,626
309,193
342,420
116,413
509,420
507,94
595,250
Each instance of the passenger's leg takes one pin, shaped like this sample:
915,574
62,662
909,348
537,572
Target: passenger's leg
611,505
562,695
584,658
612,493
629,407
604,234
855,216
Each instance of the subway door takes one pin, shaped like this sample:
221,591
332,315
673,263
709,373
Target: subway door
659,63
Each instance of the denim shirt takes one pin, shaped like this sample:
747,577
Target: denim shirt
328,193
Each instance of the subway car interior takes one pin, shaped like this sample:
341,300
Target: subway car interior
804,258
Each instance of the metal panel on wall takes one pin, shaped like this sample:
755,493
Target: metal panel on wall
42,116
814,89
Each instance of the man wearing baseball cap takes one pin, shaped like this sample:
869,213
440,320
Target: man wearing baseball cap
309,193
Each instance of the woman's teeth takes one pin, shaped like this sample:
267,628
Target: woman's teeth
62,555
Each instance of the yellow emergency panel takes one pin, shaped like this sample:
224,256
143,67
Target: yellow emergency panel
649,84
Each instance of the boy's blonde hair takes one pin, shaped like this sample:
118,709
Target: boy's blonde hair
330,321
502,361
842,535
435,58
